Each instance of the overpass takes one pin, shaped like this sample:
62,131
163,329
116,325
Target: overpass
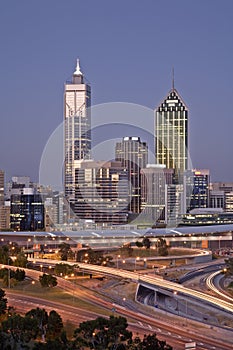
162,294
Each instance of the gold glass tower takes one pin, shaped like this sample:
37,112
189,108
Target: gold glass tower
171,133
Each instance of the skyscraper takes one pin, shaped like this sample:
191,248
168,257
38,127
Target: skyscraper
77,138
171,132
102,192
27,211
154,179
2,177
200,189
134,156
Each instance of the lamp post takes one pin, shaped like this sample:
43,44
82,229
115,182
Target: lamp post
118,257
175,293
9,274
28,240
137,259
145,264
219,243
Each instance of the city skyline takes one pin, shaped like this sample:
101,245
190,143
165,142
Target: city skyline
120,59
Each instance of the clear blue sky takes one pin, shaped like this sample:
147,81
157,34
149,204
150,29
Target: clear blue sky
127,50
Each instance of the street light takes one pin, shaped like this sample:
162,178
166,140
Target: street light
137,259
118,257
9,274
145,266
28,240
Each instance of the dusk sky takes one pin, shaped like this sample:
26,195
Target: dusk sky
127,50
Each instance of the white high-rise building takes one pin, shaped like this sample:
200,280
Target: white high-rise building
77,120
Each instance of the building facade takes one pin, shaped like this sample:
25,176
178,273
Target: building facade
2,187
77,125
133,154
101,193
154,179
199,183
5,216
174,204
171,133
217,199
27,212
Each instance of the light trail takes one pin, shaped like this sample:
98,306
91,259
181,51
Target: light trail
210,284
151,280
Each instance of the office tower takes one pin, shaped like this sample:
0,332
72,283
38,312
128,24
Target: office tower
27,211
171,133
101,192
218,193
154,179
174,204
199,180
2,178
229,202
5,216
134,156
217,199
77,137
53,203
17,185
226,187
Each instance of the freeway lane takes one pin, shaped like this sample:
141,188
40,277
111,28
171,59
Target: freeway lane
153,281
211,285
76,315
210,339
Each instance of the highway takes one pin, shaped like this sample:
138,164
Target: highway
152,281
175,336
211,285
76,315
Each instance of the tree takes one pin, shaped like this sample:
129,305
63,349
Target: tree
64,269
41,317
4,255
3,302
21,260
146,242
49,326
150,342
162,247
55,325
139,244
19,275
103,333
21,329
48,280
94,257
65,251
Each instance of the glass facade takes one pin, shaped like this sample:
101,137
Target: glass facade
171,131
27,212
101,192
77,124
133,155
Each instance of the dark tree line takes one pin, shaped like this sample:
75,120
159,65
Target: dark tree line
39,330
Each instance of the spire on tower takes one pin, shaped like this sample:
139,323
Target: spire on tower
78,71
173,79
